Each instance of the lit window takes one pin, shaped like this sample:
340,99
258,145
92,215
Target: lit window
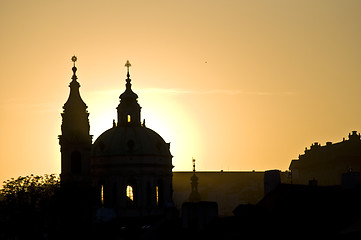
130,193
157,194
129,118
102,194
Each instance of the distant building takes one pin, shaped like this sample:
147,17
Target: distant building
227,188
326,164
194,196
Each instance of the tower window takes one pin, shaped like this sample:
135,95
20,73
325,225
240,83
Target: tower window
130,194
129,118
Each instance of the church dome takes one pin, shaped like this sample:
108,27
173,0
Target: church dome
129,137
130,141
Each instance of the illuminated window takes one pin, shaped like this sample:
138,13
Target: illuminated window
130,192
157,194
102,194
129,119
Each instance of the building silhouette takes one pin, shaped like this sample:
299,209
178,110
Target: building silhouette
326,164
128,168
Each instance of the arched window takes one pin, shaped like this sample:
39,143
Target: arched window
129,118
75,162
130,194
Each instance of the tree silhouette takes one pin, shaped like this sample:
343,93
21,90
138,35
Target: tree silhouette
26,204
29,190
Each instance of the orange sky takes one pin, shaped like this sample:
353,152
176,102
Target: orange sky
239,85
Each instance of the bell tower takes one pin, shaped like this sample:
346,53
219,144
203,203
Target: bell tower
75,140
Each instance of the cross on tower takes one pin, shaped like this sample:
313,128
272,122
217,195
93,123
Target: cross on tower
128,65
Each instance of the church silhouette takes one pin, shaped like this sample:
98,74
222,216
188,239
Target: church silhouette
128,168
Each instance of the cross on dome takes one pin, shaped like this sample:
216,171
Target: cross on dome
128,65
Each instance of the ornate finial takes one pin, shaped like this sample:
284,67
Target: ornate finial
194,164
128,65
74,59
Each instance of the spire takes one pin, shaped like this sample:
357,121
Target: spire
75,100
128,108
75,115
194,196
75,139
128,94
74,59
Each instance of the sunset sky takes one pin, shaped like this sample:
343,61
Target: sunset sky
238,85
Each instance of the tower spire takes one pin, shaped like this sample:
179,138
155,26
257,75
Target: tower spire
75,101
75,139
75,115
194,196
74,59
128,108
